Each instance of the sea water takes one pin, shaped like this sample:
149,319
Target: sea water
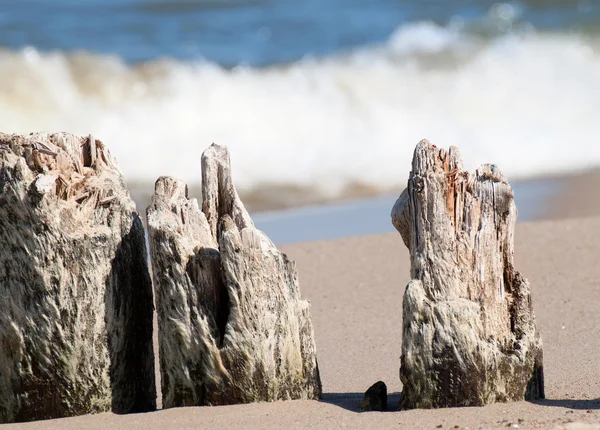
317,96
373,215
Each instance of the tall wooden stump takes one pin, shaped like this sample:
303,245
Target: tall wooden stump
469,332
75,292
232,325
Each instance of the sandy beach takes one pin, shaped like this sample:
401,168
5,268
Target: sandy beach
355,286
320,104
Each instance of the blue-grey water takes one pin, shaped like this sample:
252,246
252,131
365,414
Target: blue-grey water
323,97
373,216
259,32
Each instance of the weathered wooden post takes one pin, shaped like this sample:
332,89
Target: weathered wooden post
232,325
469,332
75,291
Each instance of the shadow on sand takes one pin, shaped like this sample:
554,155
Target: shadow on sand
587,404
352,401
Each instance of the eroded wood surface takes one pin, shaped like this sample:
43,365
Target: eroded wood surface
469,332
232,325
75,291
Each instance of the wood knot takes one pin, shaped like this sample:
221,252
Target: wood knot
418,183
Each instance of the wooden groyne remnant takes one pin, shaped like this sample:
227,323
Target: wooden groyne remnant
469,335
75,292
232,325
76,300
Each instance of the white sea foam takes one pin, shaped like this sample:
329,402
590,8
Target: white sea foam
529,103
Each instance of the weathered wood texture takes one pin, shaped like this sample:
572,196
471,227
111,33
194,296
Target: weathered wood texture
232,325
469,332
75,292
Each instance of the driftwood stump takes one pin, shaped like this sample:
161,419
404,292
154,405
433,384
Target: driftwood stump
232,325
469,332
75,291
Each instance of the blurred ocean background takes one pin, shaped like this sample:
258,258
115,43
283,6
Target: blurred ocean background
316,99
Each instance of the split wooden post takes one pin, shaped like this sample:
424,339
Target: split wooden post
232,325
469,333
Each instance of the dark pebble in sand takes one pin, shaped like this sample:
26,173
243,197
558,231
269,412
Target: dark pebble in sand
375,398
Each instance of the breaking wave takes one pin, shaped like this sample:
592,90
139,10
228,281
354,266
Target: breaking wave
527,101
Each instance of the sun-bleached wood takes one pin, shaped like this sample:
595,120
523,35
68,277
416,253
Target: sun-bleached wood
469,332
75,292
232,325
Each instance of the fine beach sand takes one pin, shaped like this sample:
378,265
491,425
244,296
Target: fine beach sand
355,286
